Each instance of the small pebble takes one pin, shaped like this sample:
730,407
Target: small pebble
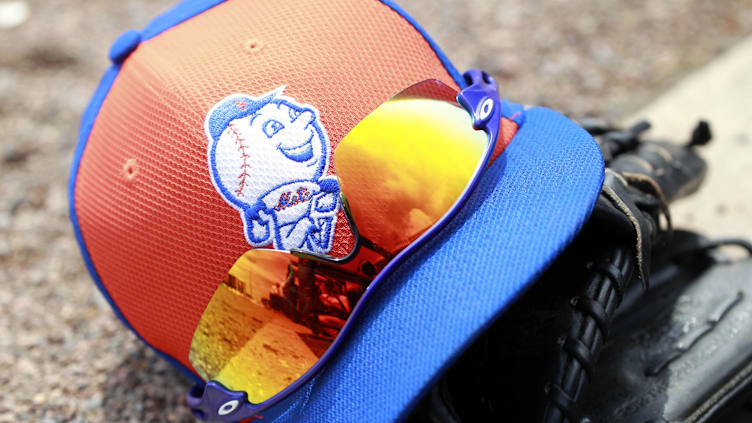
13,14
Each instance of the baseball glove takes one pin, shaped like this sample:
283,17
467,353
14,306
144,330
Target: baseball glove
633,323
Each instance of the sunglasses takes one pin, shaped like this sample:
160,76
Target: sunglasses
403,172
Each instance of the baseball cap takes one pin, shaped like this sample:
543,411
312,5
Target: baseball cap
157,236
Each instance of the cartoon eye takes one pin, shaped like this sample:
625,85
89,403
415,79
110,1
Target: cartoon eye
294,113
272,126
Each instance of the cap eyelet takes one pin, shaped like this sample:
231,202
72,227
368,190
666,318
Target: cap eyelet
130,169
253,45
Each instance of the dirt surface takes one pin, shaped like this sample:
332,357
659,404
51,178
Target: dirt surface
64,357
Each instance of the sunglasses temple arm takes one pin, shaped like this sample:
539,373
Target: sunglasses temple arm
481,98
367,243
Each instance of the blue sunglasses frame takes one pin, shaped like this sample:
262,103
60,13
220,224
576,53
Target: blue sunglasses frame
214,402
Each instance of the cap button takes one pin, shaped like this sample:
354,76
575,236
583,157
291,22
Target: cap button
124,46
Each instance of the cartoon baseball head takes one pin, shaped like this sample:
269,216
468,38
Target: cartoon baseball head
267,157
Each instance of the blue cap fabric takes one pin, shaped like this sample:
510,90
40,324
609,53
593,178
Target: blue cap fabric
529,205
126,44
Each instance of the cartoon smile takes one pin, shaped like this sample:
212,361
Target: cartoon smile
301,152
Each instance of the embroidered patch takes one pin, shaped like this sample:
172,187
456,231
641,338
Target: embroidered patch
268,157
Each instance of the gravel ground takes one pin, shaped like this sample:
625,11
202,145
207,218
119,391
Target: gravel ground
63,355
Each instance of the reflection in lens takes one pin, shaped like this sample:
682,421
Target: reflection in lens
405,165
270,320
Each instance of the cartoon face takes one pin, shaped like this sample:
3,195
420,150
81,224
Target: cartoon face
291,129
263,150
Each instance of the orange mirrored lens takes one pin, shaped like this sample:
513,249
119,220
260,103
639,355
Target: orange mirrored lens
271,319
405,165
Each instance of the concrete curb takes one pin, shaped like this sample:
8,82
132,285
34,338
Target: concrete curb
720,92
